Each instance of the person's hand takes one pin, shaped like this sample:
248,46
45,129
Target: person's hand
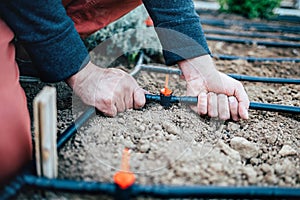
110,90
218,94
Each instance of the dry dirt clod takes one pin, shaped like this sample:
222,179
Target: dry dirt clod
287,150
171,128
250,174
233,126
129,144
229,151
246,148
144,147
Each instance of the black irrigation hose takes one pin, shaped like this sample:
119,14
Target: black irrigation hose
251,25
72,129
253,105
250,34
254,59
254,42
284,18
163,191
70,185
12,188
264,79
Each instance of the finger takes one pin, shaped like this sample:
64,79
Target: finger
107,107
128,102
120,104
212,104
202,104
139,99
223,107
233,107
243,101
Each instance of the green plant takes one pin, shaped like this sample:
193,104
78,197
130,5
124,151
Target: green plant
250,8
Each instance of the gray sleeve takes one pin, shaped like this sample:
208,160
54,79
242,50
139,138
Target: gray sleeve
178,28
48,35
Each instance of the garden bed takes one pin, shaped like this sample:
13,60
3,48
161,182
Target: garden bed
176,146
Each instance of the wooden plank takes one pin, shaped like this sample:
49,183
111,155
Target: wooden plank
45,121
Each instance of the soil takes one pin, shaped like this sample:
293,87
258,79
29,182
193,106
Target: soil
177,147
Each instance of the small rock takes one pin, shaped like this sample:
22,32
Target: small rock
216,167
250,174
229,151
121,121
141,128
145,147
81,158
287,150
171,128
246,148
129,144
157,127
266,168
271,178
233,126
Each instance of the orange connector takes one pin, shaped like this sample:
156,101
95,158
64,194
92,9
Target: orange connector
124,178
166,91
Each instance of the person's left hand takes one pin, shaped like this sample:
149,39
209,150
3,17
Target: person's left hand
218,94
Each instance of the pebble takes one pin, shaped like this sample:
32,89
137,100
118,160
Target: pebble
271,138
246,148
287,150
129,144
250,174
144,147
229,151
157,127
141,128
233,126
121,121
171,128
266,168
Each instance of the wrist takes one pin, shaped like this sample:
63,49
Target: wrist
202,66
82,74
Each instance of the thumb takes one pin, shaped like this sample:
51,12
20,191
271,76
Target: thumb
139,99
243,101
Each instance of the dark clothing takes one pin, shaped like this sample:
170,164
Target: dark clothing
57,51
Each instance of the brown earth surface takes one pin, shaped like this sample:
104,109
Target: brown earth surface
176,146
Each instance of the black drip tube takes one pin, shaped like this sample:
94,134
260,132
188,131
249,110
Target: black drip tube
252,42
72,129
163,191
253,105
251,34
254,59
252,25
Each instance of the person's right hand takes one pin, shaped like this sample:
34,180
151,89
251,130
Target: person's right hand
110,90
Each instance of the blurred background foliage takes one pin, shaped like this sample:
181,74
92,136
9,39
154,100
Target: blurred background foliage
250,8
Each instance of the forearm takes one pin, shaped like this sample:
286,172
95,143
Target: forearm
179,29
48,35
